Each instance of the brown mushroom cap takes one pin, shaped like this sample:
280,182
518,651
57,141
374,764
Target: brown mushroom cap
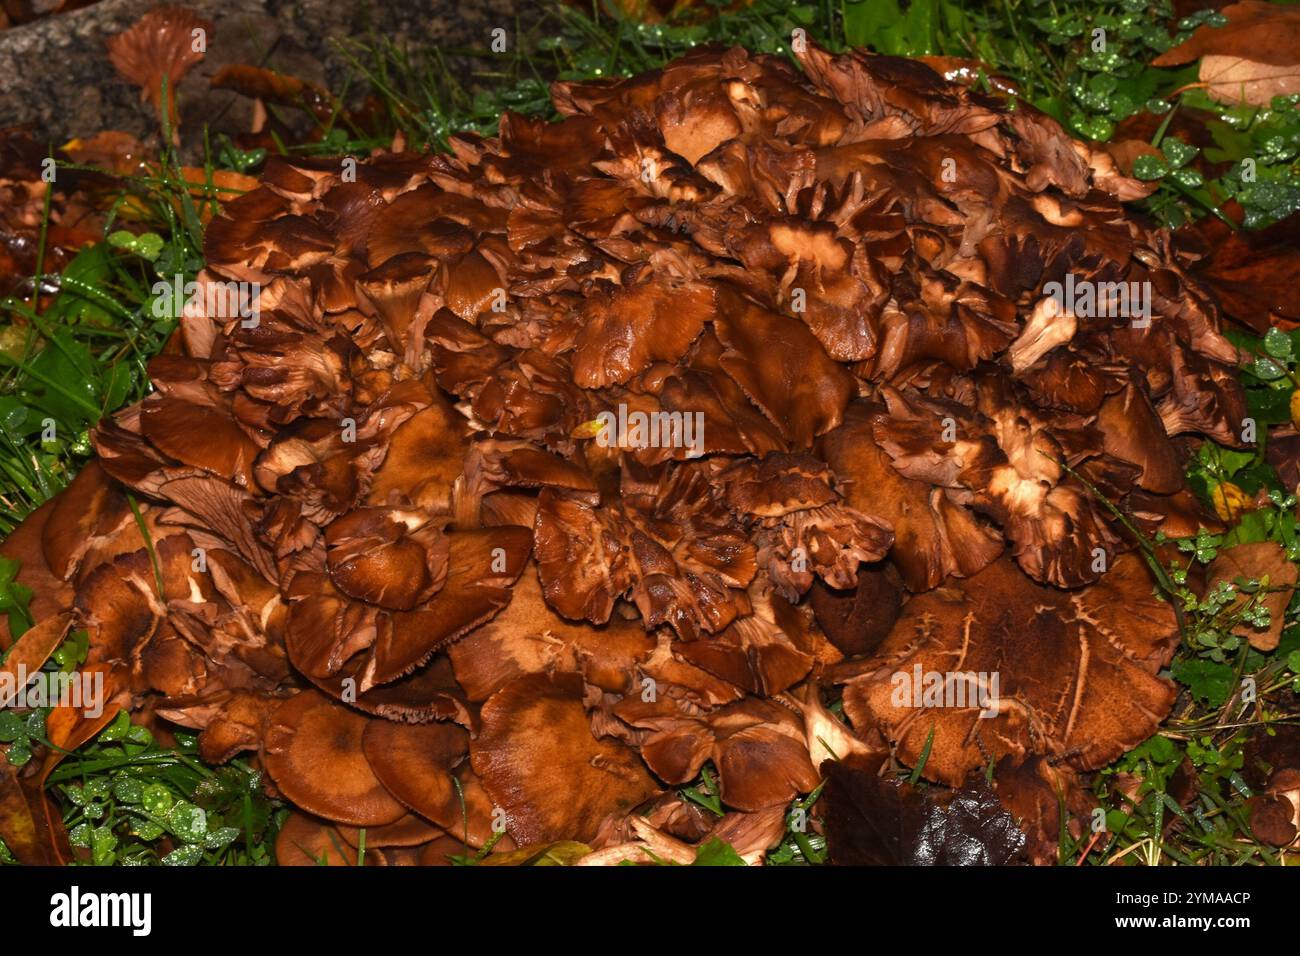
626,331
540,763
306,841
1271,819
678,554
317,625
414,762
91,508
753,653
1043,797
408,831
313,752
482,565
394,290
856,620
783,369
1132,432
423,460
933,537
757,747
1076,671
201,436
440,852
240,725
529,638
388,558
761,755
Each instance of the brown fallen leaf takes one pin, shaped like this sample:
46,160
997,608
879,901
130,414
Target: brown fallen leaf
1283,453
1258,560
272,87
1254,57
30,652
111,150
1252,273
25,818
1234,79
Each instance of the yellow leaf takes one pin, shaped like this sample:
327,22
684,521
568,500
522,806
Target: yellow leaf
1229,501
588,429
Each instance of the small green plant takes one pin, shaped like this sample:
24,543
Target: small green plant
84,354
1147,822
23,731
130,801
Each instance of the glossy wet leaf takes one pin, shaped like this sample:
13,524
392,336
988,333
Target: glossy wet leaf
156,798
1278,344
185,856
874,821
188,822
128,790
147,245
1150,167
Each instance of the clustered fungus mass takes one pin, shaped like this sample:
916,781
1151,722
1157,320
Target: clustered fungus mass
379,549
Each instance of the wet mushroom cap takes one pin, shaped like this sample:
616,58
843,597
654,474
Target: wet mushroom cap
414,762
997,665
314,753
541,764
161,45
306,841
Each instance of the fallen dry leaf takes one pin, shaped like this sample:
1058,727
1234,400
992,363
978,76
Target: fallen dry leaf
1252,272
157,51
24,820
1258,560
1251,59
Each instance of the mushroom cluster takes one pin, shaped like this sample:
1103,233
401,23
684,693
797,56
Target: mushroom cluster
542,474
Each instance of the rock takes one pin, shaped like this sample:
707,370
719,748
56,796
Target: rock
59,80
